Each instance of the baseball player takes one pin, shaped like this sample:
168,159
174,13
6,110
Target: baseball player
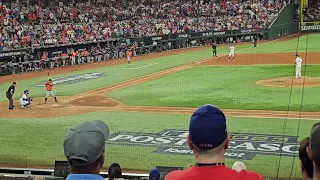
232,50
129,54
24,100
255,39
49,86
214,48
298,67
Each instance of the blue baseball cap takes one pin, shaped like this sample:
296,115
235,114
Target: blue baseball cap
154,174
208,129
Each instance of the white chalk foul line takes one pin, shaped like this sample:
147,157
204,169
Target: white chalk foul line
142,66
161,72
133,81
208,59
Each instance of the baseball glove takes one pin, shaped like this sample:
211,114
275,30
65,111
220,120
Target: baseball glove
30,99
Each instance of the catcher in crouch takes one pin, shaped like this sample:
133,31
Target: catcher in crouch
49,86
24,100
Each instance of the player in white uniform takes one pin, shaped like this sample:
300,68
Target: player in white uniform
298,66
232,50
24,100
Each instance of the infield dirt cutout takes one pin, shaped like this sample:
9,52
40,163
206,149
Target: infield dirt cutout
95,100
290,82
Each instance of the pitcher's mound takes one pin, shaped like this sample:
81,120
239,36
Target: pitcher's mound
287,81
96,101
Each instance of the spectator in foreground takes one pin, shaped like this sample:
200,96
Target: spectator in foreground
114,172
154,174
208,139
84,148
314,149
305,163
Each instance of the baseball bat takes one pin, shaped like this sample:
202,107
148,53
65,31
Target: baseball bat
48,76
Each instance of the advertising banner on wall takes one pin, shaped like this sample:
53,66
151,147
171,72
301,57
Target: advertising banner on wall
310,27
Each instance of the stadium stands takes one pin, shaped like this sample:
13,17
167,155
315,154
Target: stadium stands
312,13
33,25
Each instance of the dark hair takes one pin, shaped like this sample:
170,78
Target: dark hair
114,171
88,169
307,164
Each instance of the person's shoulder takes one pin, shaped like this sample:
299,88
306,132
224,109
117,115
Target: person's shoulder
250,175
187,174
177,175
173,175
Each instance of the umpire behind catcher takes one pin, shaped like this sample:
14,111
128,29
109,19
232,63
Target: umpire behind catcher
214,48
10,93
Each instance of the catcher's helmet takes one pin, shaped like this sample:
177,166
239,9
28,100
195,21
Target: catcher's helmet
26,91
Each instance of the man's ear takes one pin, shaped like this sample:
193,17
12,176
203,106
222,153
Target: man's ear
190,144
301,166
227,141
309,153
102,160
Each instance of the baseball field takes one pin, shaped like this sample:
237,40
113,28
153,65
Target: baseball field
147,106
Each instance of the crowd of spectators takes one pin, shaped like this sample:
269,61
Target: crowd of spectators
312,13
30,25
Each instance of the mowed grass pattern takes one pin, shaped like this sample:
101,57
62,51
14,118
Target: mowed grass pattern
304,42
39,141
227,87
118,73
112,74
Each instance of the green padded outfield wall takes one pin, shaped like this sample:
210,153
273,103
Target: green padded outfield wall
284,25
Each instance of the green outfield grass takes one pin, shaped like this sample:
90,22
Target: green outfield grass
113,74
39,141
224,86
288,46
117,73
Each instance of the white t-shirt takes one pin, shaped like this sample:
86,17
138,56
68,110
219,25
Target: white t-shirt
232,49
298,61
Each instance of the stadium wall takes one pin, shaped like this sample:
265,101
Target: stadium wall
284,25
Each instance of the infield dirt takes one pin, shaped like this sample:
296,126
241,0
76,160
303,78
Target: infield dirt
96,100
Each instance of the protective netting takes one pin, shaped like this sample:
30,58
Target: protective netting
252,75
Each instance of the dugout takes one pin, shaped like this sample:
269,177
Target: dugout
166,44
250,37
181,42
194,41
